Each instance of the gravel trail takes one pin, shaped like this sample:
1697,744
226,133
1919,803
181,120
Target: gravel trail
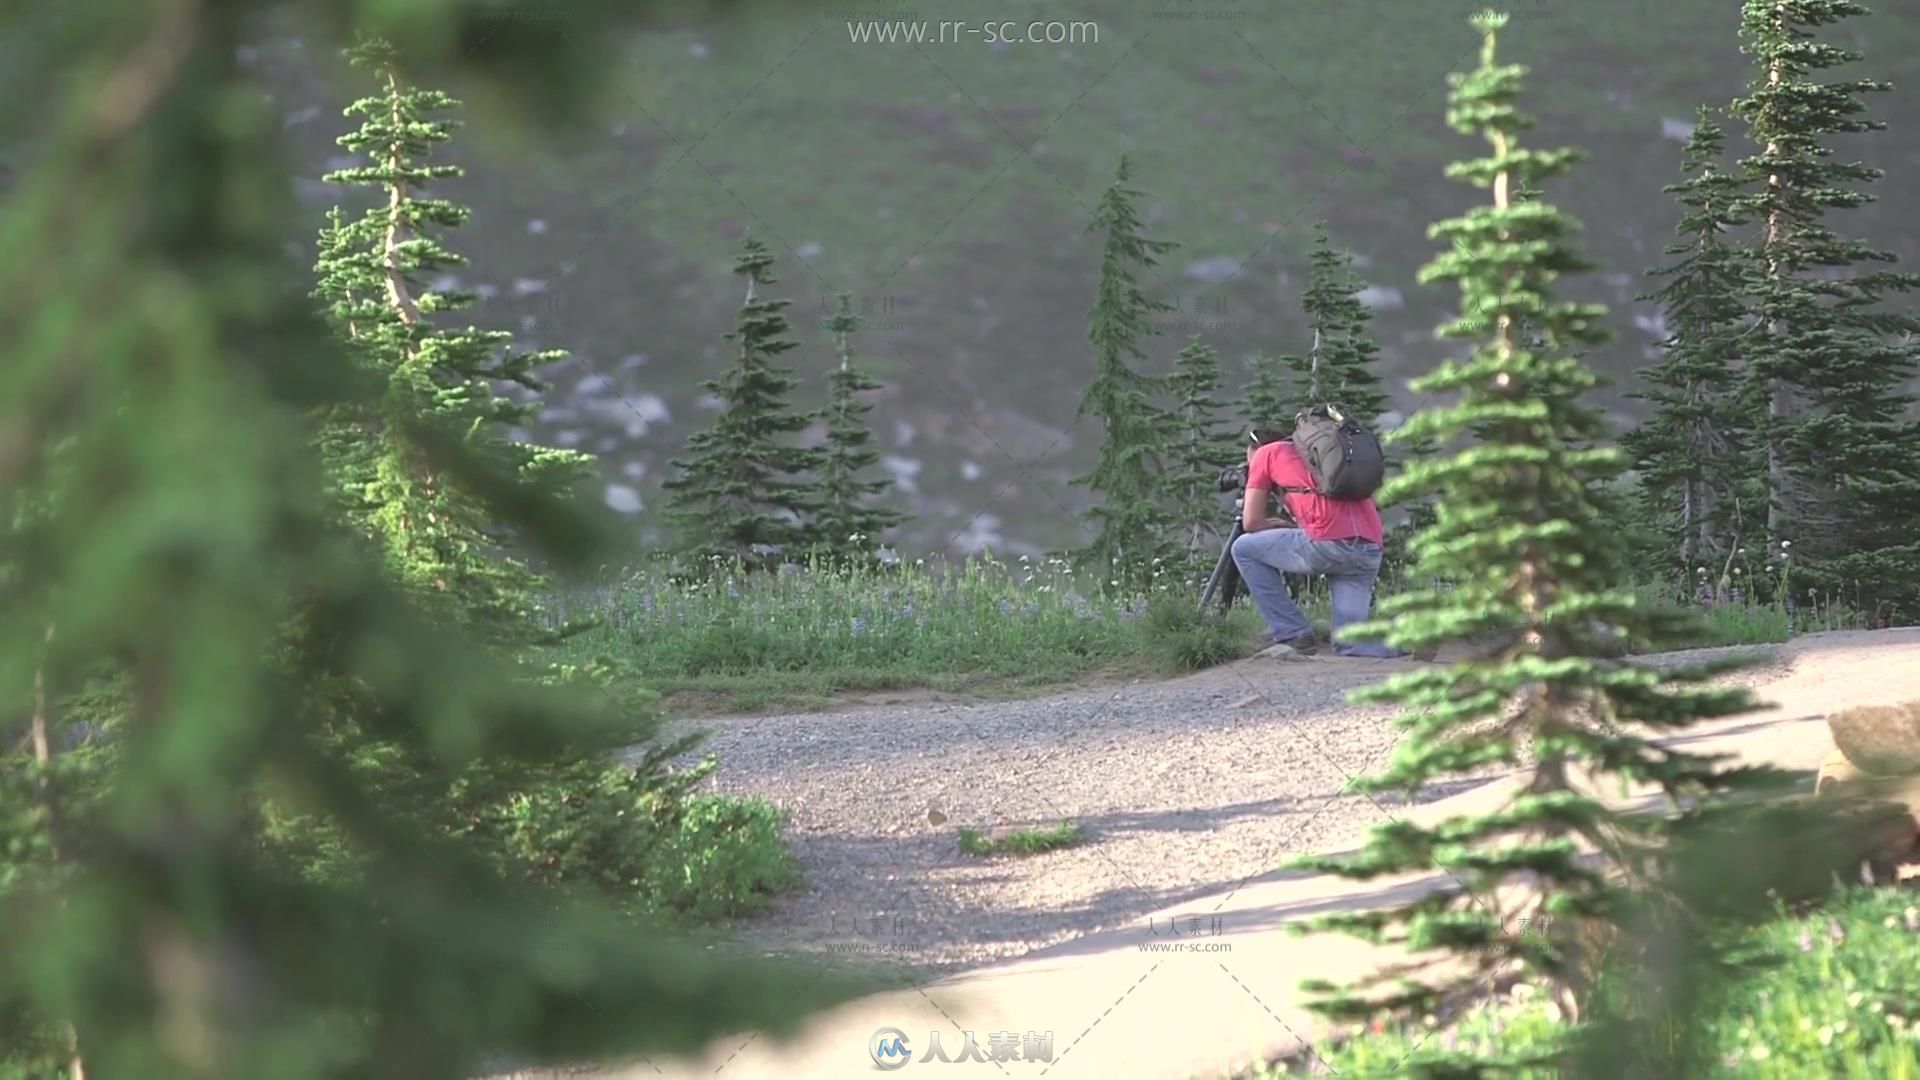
1184,788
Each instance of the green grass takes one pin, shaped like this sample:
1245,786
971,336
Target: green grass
1745,621
741,643
1844,1002
1021,841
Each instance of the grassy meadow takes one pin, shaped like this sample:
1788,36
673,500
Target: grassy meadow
731,641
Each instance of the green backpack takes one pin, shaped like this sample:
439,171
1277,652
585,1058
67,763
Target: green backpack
1345,459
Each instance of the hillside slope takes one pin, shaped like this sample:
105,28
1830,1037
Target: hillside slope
947,186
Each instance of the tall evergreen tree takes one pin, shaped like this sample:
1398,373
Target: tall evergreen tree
1339,368
1203,446
1265,395
437,536
1135,527
745,489
1296,386
846,521
1268,402
1693,452
1538,589
1843,455
182,546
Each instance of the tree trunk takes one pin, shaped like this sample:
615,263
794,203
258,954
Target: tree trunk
1704,513
1687,522
397,293
42,736
1777,404
1313,376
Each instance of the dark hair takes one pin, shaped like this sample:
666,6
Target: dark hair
1261,436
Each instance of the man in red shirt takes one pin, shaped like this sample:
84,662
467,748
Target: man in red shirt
1340,538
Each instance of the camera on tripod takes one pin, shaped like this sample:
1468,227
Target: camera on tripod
1225,586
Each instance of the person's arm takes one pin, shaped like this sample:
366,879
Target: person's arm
1253,511
1272,468
1253,501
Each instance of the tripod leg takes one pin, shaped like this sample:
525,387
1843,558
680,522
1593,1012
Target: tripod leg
1217,582
1225,584
1235,586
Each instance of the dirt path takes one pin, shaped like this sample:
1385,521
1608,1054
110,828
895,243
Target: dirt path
1183,788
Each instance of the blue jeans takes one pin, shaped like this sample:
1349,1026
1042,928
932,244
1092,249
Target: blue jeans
1350,566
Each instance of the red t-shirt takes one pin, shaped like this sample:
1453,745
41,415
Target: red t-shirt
1279,465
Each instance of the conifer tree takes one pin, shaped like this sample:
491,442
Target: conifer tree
1203,447
1339,367
1135,527
1295,393
1692,453
437,538
1269,401
1266,396
437,534
1538,593
1843,456
846,521
181,543
745,489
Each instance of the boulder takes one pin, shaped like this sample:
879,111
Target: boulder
1879,740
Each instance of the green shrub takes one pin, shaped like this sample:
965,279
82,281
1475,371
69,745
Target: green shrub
724,859
631,833
34,1050
1843,1001
592,825
703,857
635,835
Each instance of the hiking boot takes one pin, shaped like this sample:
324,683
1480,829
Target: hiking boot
1281,652
1305,644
